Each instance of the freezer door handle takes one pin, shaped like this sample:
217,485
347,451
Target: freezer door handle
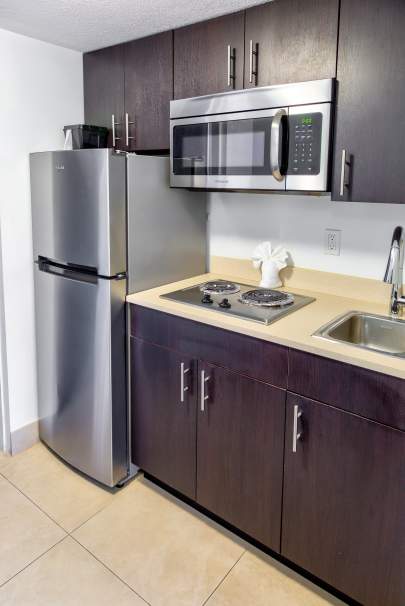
74,272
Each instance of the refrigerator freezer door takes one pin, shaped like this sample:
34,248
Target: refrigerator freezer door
167,228
79,208
80,332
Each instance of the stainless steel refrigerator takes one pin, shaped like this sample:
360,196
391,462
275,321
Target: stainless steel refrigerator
86,253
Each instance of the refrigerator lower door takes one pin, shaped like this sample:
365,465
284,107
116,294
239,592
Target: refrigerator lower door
80,324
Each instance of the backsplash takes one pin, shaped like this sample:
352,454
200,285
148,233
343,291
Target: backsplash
238,222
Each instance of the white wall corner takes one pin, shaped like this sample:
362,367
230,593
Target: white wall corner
42,91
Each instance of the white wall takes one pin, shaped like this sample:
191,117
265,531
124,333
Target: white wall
240,221
41,91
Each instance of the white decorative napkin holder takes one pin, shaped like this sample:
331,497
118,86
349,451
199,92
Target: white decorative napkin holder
270,261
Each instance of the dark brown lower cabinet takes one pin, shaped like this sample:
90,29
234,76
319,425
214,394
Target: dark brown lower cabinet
344,502
240,441
163,426
332,501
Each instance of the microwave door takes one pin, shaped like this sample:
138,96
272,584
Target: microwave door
189,156
246,150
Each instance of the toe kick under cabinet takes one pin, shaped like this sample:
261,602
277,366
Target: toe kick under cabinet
304,454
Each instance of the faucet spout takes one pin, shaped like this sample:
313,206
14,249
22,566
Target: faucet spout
394,270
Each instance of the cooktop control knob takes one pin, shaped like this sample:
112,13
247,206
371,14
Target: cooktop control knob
206,299
225,303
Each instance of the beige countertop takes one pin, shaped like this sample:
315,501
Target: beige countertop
294,330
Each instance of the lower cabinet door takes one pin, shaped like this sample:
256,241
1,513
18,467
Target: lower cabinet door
344,501
240,440
163,419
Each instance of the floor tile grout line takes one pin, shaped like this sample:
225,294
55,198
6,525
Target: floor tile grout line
110,570
93,515
37,506
68,532
33,561
224,577
70,535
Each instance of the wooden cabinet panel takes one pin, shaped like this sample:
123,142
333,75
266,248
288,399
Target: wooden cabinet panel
148,90
240,453
201,56
370,121
103,80
252,357
163,428
344,502
370,394
296,41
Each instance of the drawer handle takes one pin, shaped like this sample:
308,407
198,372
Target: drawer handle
183,387
204,397
296,434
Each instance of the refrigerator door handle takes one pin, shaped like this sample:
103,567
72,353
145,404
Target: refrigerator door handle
74,272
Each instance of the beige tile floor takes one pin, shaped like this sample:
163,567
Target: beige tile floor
66,542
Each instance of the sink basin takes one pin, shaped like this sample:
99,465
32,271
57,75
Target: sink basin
382,334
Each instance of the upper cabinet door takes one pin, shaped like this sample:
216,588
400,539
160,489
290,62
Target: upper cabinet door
148,91
240,443
103,75
344,501
291,41
208,56
370,124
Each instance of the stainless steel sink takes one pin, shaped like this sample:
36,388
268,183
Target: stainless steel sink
382,334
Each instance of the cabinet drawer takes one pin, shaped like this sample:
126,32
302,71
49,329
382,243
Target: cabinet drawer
258,359
370,394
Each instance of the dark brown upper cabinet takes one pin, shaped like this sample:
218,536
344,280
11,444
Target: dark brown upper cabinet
208,56
148,64
103,80
134,83
344,501
163,418
240,443
291,41
369,145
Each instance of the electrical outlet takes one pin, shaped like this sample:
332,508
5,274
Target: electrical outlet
332,241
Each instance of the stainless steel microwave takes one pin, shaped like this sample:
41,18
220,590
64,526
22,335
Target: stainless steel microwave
270,138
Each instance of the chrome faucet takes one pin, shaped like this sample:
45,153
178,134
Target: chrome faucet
394,272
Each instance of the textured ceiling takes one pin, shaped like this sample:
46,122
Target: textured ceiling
89,24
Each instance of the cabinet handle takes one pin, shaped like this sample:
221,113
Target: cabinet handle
253,52
231,60
183,388
343,182
296,434
204,379
127,123
113,125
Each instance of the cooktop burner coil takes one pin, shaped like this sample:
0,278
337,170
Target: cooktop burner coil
219,287
263,297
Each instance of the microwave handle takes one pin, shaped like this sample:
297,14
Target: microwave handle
275,143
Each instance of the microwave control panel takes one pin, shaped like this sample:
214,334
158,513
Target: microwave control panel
305,134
